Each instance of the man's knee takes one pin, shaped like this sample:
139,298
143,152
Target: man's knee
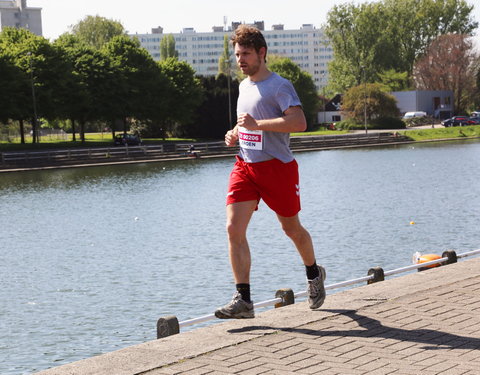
235,233
294,231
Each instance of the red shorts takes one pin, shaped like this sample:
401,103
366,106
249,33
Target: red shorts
275,182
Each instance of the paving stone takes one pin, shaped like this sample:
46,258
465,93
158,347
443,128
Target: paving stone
423,323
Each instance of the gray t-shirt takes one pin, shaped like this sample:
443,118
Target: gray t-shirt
265,100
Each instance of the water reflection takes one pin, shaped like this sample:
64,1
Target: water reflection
91,257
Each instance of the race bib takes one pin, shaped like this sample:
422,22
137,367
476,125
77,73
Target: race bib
251,139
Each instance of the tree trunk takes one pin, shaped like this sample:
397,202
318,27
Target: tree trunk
82,131
112,124
22,132
34,130
74,138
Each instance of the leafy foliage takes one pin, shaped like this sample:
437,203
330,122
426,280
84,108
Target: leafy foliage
212,116
302,82
167,47
116,84
41,71
225,60
390,34
96,31
185,93
394,81
369,99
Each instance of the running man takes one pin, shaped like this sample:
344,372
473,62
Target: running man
268,110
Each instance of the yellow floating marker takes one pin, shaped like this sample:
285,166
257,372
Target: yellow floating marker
412,223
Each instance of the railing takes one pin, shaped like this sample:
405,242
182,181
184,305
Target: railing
109,153
169,325
177,150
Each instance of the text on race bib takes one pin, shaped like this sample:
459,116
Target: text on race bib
250,139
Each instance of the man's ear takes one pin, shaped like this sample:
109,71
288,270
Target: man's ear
263,53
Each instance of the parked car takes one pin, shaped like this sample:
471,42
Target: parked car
458,121
476,120
414,114
127,139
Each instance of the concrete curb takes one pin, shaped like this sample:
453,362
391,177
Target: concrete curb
156,356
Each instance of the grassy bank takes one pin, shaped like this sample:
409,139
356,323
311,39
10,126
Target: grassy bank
91,140
320,132
442,133
105,139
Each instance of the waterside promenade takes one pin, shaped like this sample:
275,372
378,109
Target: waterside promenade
421,323
88,157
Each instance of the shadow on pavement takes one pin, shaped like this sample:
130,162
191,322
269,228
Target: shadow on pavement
373,328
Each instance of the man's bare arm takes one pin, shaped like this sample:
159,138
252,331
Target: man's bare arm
292,121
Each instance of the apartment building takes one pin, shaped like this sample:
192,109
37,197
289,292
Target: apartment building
16,13
308,47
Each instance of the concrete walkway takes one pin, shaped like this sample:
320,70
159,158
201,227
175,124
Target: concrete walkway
421,323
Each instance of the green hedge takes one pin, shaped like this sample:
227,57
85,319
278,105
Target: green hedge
380,123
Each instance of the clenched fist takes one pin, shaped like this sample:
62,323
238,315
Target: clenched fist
231,138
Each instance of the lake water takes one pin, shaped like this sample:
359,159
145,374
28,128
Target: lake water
91,258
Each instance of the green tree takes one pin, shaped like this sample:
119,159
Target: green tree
89,82
303,83
394,81
226,69
357,35
96,31
415,24
212,117
390,34
185,95
167,47
225,60
373,98
46,70
13,87
139,89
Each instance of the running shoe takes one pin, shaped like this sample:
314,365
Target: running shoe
316,290
236,309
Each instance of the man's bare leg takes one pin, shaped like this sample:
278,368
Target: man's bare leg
238,217
303,242
300,237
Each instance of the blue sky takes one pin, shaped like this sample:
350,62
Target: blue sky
174,15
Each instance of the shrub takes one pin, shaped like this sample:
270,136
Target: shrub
349,124
379,123
387,123
418,121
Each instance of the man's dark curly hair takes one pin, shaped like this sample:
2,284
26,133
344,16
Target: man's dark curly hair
249,36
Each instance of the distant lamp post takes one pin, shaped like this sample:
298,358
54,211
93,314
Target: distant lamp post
324,100
229,78
365,98
35,117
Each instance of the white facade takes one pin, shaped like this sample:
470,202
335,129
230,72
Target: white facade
16,13
329,117
438,103
307,47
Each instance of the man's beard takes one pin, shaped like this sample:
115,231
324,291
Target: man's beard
252,69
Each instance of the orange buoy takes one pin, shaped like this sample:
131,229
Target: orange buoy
423,258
